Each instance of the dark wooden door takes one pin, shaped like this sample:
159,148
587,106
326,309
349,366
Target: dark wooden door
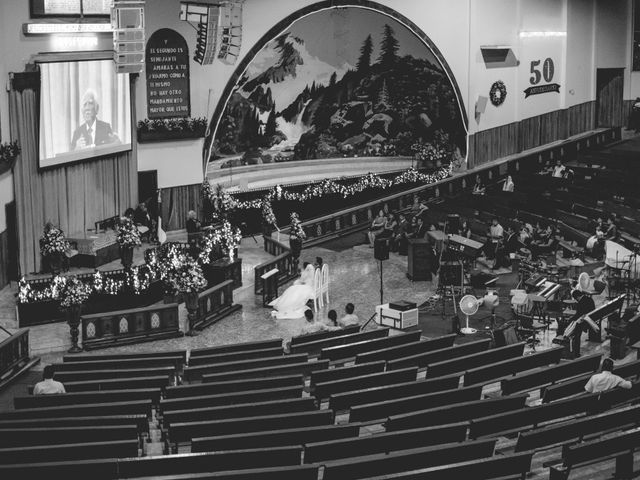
11,242
609,97
148,190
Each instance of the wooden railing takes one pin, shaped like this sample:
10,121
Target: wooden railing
214,304
284,262
136,325
357,218
14,352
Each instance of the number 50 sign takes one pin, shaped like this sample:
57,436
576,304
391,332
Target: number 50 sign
538,74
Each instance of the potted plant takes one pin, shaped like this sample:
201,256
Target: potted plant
53,245
73,295
128,237
9,151
171,129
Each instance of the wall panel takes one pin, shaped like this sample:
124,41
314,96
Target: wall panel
4,258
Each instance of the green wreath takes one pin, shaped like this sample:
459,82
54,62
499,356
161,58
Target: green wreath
498,93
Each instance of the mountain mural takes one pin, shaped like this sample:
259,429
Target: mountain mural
295,101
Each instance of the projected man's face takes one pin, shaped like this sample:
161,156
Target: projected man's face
89,109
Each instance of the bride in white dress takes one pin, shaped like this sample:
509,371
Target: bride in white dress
293,301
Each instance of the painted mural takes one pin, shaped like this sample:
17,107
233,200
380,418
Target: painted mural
341,83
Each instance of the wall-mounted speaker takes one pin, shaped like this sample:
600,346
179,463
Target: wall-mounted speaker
127,22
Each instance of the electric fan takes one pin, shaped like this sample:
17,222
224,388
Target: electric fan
468,306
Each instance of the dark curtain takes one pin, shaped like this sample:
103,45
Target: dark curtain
73,196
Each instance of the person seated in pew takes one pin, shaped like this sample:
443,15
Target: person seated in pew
611,232
48,386
376,228
508,185
545,244
400,234
559,170
332,319
595,243
389,226
606,379
479,187
313,326
512,242
420,230
349,318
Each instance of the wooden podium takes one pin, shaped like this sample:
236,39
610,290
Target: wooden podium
419,260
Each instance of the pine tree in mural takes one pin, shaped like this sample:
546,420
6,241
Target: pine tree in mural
383,101
333,79
270,127
364,62
388,48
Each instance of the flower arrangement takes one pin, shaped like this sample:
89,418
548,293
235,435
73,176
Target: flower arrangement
74,293
427,152
267,214
53,241
127,234
187,276
296,227
8,152
227,237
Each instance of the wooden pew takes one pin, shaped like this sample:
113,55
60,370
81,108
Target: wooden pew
274,438
302,368
194,373
118,374
183,432
498,467
147,362
530,381
384,443
125,356
186,464
343,401
333,374
374,411
423,359
197,389
495,371
98,469
93,409
69,451
574,386
39,401
578,428
517,420
455,413
204,401
111,384
141,422
312,337
298,472
26,437
236,356
241,410
342,352
316,346
461,364
620,447
236,347
363,467
323,390
393,353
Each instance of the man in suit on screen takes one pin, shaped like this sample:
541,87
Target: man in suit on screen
93,132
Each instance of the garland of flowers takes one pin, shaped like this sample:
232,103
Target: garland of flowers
187,277
127,234
53,241
268,215
8,152
227,237
227,202
428,153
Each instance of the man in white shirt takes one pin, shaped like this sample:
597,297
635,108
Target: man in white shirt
606,380
558,170
350,318
48,386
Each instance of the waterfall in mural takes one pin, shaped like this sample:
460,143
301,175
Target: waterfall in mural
365,86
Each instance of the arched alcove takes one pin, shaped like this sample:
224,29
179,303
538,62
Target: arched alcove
337,80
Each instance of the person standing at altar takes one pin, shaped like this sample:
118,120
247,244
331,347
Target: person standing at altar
193,230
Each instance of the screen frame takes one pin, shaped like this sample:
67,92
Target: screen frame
83,57
33,12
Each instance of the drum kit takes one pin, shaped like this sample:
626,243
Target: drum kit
623,270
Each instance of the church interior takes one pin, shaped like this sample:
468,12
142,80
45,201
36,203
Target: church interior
320,239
